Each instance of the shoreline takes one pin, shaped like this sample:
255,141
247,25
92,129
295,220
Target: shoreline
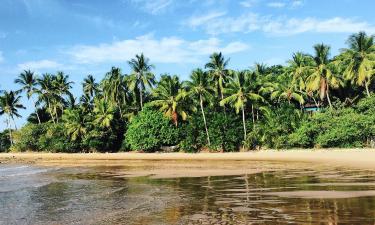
354,158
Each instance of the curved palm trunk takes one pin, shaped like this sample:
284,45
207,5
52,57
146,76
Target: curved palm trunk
244,122
36,110
205,122
50,111
367,89
328,98
175,118
140,93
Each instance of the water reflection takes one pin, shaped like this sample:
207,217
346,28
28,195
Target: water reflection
96,195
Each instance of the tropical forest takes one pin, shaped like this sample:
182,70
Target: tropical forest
314,100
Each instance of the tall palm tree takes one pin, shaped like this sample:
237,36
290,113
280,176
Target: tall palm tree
115,88
9,105
240,93
218,70
321,77
359,59
29,81
90,87
103,113
47,92
141,76
75,123
200,87
170,97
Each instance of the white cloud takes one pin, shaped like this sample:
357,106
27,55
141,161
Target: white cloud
250,22
276,4
153,6
333,25
195,21
40,64
296,3
248,3
165,50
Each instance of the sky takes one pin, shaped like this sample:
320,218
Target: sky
82,37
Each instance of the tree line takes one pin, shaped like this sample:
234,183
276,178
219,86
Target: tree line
217,108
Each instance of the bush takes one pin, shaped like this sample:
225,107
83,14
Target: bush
26,139
225,132
338,128
4,141
56,140
150,130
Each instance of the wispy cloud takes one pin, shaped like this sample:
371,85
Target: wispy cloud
1,57
248,3
153,6
296,3
164,50
250,22
276,4
38,65
196,21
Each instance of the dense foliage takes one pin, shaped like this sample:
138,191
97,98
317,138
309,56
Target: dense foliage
313,101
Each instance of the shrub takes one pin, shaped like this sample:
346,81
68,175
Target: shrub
150,130
26,139
56,140
225,132
4,141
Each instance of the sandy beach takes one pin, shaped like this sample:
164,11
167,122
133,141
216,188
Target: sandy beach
354,158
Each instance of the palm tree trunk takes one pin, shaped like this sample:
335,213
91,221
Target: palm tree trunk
244,122
14,122
36,110
204,120
141,97
316,104
328,98
10,131
50,111
367,90
253,114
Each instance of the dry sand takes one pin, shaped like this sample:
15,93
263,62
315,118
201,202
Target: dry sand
360,158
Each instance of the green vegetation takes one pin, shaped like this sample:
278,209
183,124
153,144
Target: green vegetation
313,101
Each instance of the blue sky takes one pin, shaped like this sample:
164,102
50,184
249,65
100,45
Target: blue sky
83,37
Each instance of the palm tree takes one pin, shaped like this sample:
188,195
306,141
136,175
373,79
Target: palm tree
28,81
75,123
320,75
218,71
359,59
284,90
103,113
200,87
141,76
90,87
9,105
170,97
239,94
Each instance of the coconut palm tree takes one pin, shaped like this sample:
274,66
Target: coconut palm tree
240,93
141,76
9,105
200,87
47,92
29,81
217,67
103,113
90,87
75,123
321,77
171,98
359,59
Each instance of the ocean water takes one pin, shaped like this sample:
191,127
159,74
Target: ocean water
32,194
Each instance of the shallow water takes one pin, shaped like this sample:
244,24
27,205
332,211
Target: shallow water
289,194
